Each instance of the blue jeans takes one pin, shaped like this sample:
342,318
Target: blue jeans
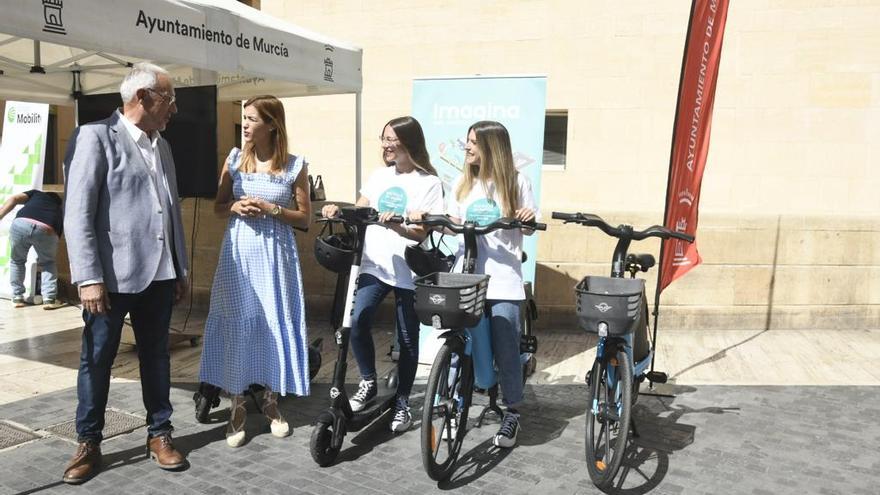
370,292
23,235
505,328
150,312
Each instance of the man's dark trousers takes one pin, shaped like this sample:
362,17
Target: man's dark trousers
150,312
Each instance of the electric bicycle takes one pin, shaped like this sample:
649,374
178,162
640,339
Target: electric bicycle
616,309
455,301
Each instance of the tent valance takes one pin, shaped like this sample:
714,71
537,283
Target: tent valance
52,49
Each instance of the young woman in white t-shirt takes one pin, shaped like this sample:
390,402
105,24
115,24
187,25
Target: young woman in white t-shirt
491,188
408,182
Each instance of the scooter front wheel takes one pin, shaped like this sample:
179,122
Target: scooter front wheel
321,444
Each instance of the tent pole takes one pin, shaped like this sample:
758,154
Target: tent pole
357,146
37,68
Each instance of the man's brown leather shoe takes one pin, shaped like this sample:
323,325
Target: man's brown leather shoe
162,450
85,463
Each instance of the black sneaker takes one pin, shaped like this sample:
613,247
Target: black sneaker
402,417
506,436
366,392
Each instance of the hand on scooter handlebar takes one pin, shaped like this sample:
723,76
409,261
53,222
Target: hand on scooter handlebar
389,217
357,214
329,211
517,222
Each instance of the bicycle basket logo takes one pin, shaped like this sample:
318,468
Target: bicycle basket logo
603,307
437,299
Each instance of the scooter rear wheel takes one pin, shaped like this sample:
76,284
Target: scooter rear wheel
321,444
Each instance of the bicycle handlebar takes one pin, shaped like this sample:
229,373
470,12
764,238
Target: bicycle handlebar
505,223
621,231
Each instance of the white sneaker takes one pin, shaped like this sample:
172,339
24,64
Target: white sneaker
366,392
402,417
506,436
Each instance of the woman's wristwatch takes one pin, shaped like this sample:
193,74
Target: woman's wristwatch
276,210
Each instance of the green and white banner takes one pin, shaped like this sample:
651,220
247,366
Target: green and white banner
22,152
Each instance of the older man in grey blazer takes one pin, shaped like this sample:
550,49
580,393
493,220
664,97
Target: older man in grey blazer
127,255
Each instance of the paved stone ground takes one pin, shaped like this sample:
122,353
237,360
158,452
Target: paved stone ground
705,440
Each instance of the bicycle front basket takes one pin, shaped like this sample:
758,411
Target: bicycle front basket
451,300
614,301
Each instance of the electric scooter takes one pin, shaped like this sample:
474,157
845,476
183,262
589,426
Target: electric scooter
333,423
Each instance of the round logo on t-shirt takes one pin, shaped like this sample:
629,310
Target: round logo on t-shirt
393,200
483,212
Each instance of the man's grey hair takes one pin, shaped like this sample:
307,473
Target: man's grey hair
143,75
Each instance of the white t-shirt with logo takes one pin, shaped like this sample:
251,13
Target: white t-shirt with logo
499,253
388,190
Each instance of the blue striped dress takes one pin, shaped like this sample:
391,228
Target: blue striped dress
255,332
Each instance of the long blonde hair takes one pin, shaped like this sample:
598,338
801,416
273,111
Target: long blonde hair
496,164
271,111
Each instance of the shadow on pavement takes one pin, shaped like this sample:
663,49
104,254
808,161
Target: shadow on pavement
660,434
474,464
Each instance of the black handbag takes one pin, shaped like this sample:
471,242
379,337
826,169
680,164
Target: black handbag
426,258
316,189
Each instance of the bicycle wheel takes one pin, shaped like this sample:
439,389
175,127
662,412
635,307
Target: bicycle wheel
444,415
608,417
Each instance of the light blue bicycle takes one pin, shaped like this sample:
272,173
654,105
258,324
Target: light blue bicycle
455,301
616,309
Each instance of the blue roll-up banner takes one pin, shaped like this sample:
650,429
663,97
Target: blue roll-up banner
446,107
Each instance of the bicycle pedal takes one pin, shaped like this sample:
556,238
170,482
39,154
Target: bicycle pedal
609,414
657,377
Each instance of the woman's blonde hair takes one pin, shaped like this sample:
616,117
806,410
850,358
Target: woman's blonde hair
271,111
496,164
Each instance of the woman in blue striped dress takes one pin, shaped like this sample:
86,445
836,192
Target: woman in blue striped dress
255,332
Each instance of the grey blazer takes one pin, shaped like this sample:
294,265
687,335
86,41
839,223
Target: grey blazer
113,221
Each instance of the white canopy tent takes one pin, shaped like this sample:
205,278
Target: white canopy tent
53,51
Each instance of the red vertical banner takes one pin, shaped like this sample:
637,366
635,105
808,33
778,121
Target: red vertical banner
690,138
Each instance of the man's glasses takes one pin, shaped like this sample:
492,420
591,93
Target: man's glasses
170,99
